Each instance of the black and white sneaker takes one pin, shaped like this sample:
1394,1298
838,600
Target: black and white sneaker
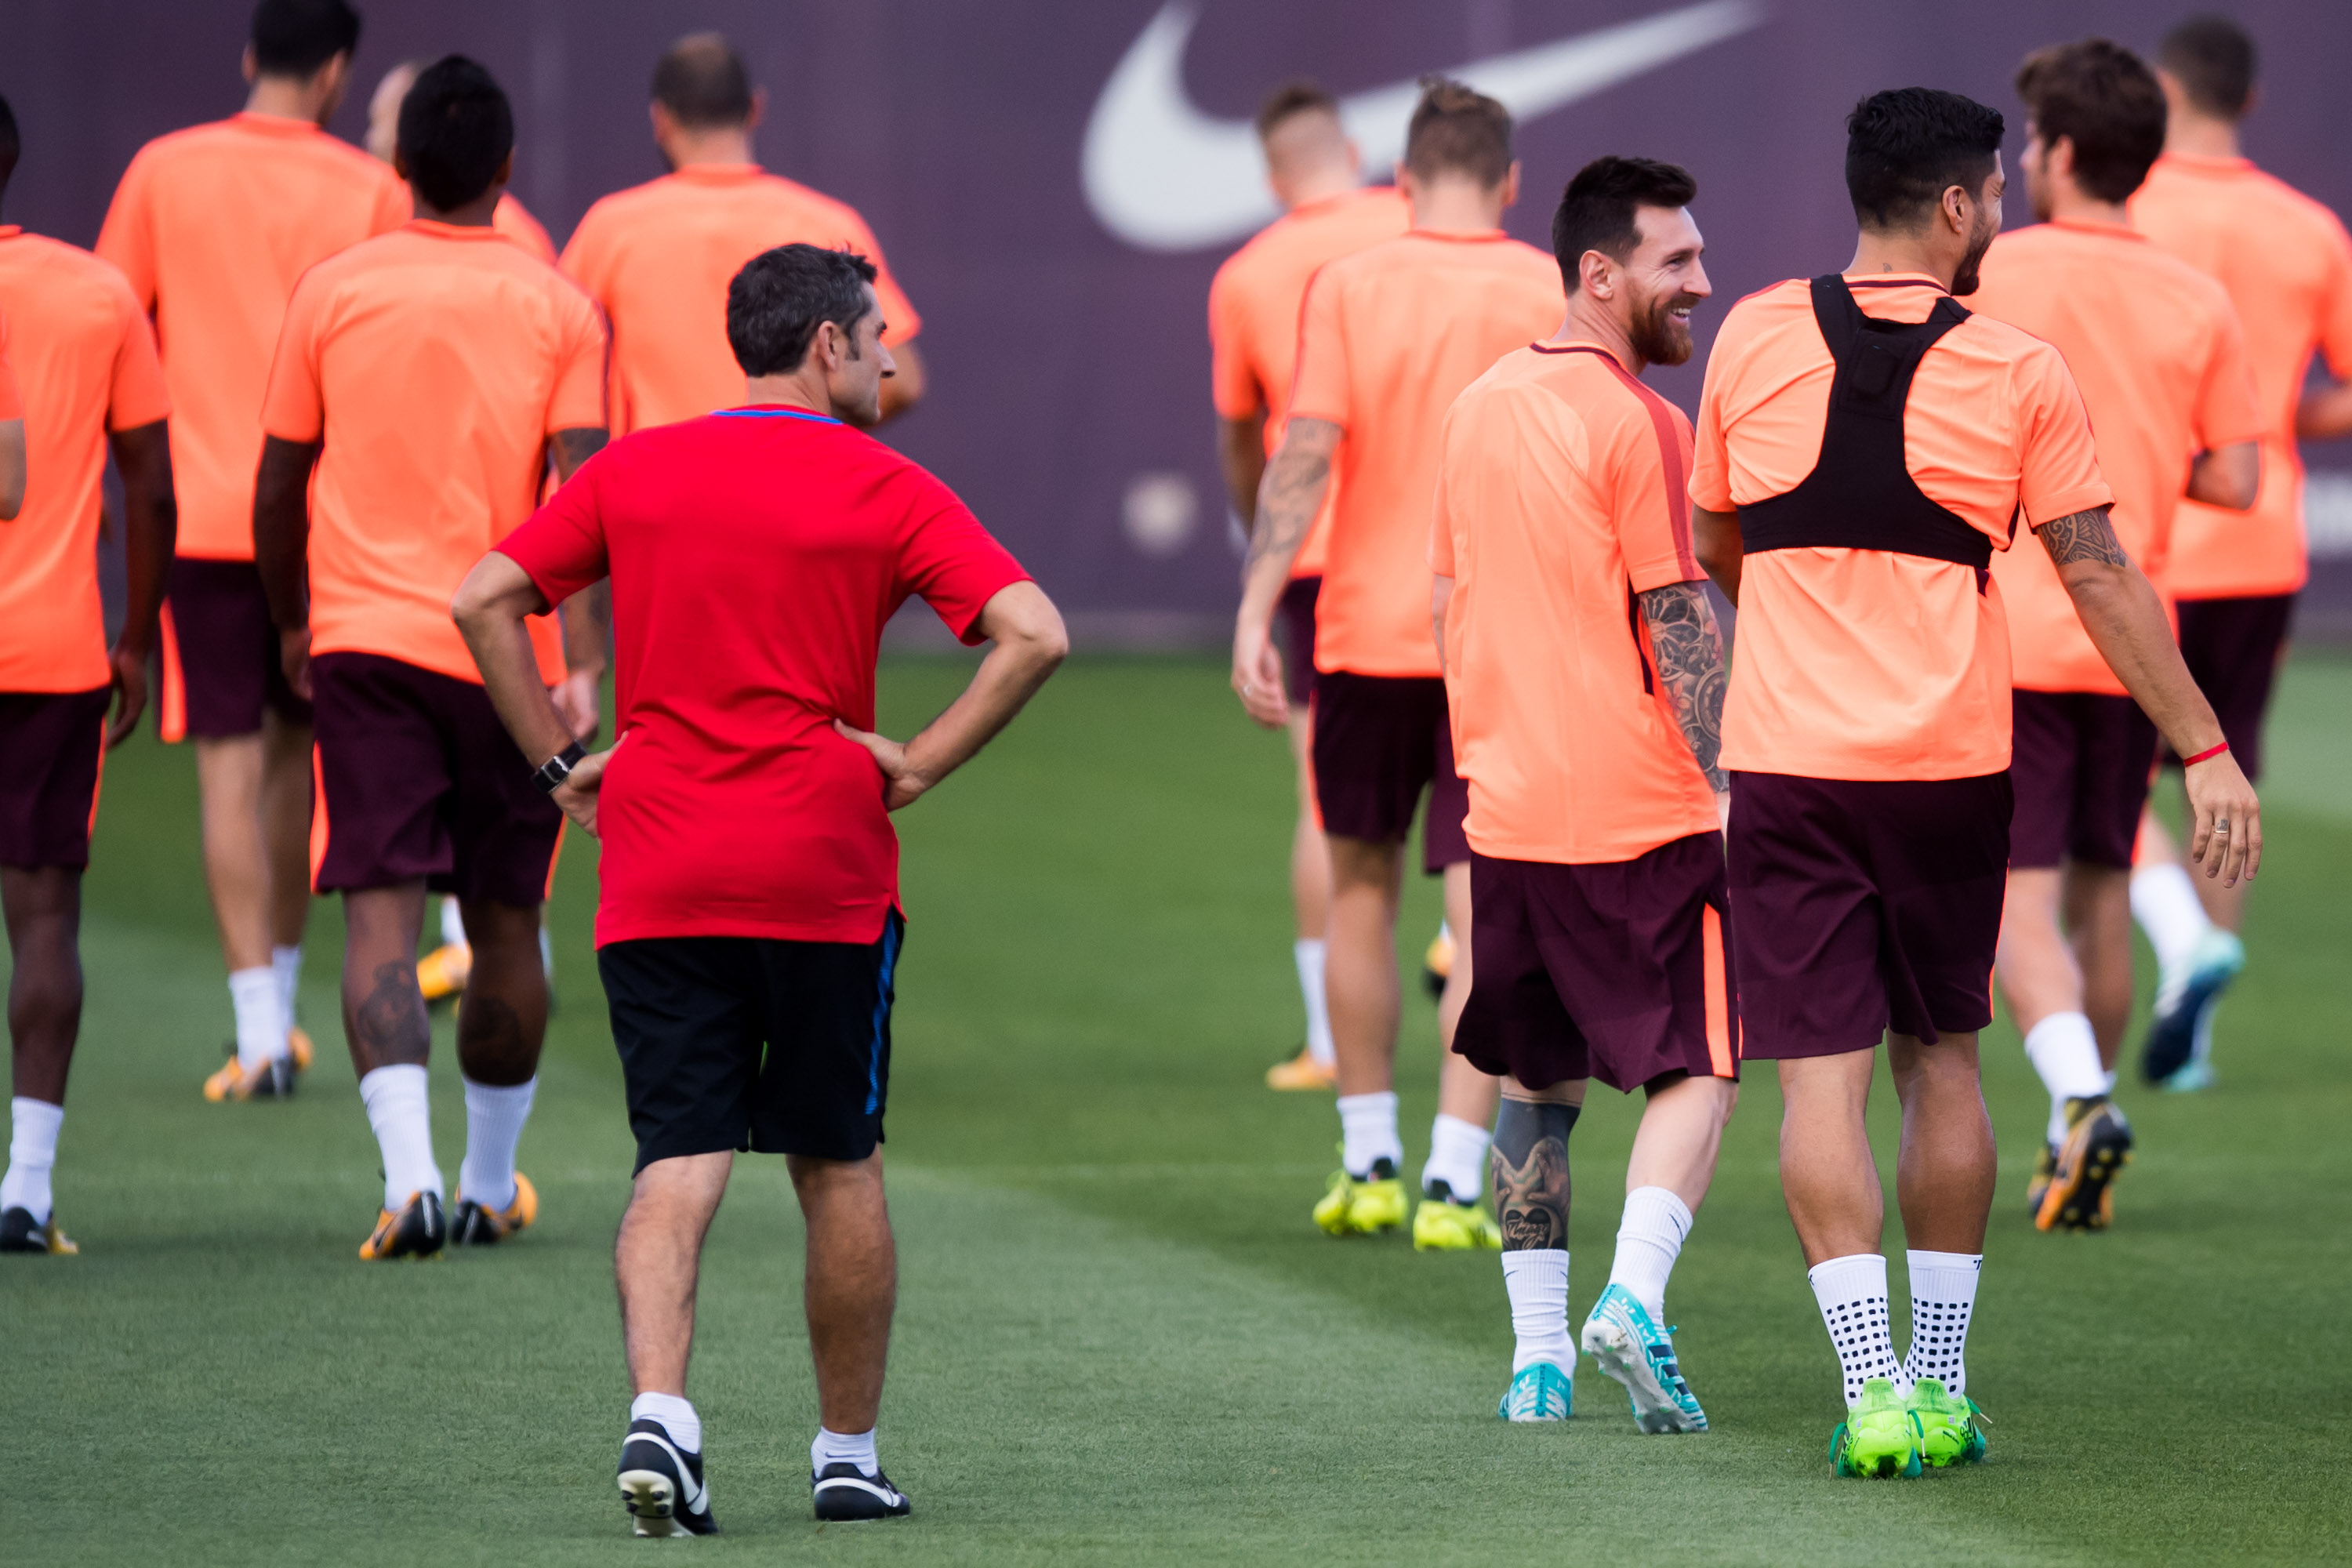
843,1491
661,1483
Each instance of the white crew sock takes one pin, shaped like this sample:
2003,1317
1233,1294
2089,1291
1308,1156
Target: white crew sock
452,925
845,1447
401,1112
1457,1157
1943,1295
286,962
494,1118
2164,902
32,1155
1852,1293
1307,951
1368,1128
1649,1240
1537,1279
2066,1054
261,1014
676,1415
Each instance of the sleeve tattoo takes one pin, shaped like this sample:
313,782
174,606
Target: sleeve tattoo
2083,536
1688,646
1292,492
1530,1168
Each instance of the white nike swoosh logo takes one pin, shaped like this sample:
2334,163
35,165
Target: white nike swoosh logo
1162,176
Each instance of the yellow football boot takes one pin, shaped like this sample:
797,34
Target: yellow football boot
475,1225
19,1232
273,1079
1362,1205
443,972
1440,1225
416,1229
1300,1072
298,1046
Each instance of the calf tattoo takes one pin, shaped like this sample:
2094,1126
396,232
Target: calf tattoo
391,1027
1530,1165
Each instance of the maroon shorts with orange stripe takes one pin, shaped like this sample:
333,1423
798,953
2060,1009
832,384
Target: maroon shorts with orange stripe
52,749
418,781
218,655
1620,971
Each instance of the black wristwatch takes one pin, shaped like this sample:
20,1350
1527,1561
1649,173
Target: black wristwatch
557,768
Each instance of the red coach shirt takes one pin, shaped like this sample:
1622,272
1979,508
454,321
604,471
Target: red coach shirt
755,554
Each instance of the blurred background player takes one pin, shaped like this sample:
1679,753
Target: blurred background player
213,225
511,219
658,256
2156,353
1389,336
12,413
424,373
2286,263
84,357
1598,934
1317,175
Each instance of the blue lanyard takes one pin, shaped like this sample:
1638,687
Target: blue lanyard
775,414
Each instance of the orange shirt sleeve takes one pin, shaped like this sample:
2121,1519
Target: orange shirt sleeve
293,408
1710,481
1232,382
2058,470
2335,318
127,238
579,400
1318,389
1649,499
394,204
2226,410
136,395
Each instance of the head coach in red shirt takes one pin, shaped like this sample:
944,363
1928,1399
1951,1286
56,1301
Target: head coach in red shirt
749,872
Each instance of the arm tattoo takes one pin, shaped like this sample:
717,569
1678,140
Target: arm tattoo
1293,491
1530,1167
2083,536
1688,646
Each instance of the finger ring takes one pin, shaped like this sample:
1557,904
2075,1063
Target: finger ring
2222,826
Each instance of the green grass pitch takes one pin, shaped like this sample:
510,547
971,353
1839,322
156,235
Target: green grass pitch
1120,1337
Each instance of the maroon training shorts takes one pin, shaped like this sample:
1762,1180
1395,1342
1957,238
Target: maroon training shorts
417,779
2232,648
1864,907
1295,612
2080,763
1620,971
52,747
219,654
1379,741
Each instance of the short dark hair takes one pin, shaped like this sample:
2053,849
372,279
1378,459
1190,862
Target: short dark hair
12,146
1596,212
776,301
2101,96
455,129
1907,146
703,82
1459,130
1296,96
2213,59
295,37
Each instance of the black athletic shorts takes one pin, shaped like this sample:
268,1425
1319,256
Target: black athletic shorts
750,1043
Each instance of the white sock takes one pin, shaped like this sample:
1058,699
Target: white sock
1852,1293
261,1014
1308,953
1537,1279
2164,902
1457,1157
1649,1240
493,1119
2066,1054
32,1155
546,952
401,1112
286,962
1368,1128
452,925
845,1447
1943,1295
677,1416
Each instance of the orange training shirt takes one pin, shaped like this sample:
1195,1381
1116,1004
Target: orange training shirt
1388,339
1562,494
12,403
1866,664
81,346
511,218
2286,263
1253,304
213,225
435,363
658,258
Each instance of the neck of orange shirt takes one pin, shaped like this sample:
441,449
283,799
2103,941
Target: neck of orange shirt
726,146
2068,203
2196,136
310,101
1457,204
1303,188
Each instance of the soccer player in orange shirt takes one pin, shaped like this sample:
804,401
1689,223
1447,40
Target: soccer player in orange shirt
511,218
2287,265
2158,355
426,376
12,403
1388,338
1865,446
213,225
1316,174
1588,740
658,256
85,359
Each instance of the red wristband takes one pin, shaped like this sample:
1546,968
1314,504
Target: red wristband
2206,755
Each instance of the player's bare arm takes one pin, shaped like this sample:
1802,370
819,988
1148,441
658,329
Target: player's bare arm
1292,493
281,545
1241,458
2326,413
1029,644
2228,477
1441,594
151,526
587,615
11,468
1715,539
493,603
1688,646
2127,623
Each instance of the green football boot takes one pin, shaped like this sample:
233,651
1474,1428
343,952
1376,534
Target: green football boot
1878,1437
1362,1205
1948,1433
1441,1225
1538,1392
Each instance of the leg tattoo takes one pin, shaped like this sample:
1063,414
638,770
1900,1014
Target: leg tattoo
1530,1164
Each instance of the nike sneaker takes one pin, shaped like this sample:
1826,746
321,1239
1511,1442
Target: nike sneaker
2037,1185
1948,1433
1878,1438
1538,1392
1301,1073
661,1484
1362,1205
1627,1343
844,1492
272,1080
443,973
1442,1224
2098,1146
299,1049
415,1229
2184,1010
472,1225
20,1232
1437,964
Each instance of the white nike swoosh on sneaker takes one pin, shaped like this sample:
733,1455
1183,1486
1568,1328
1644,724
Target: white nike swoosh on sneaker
691,1492
1162,175
887,1494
